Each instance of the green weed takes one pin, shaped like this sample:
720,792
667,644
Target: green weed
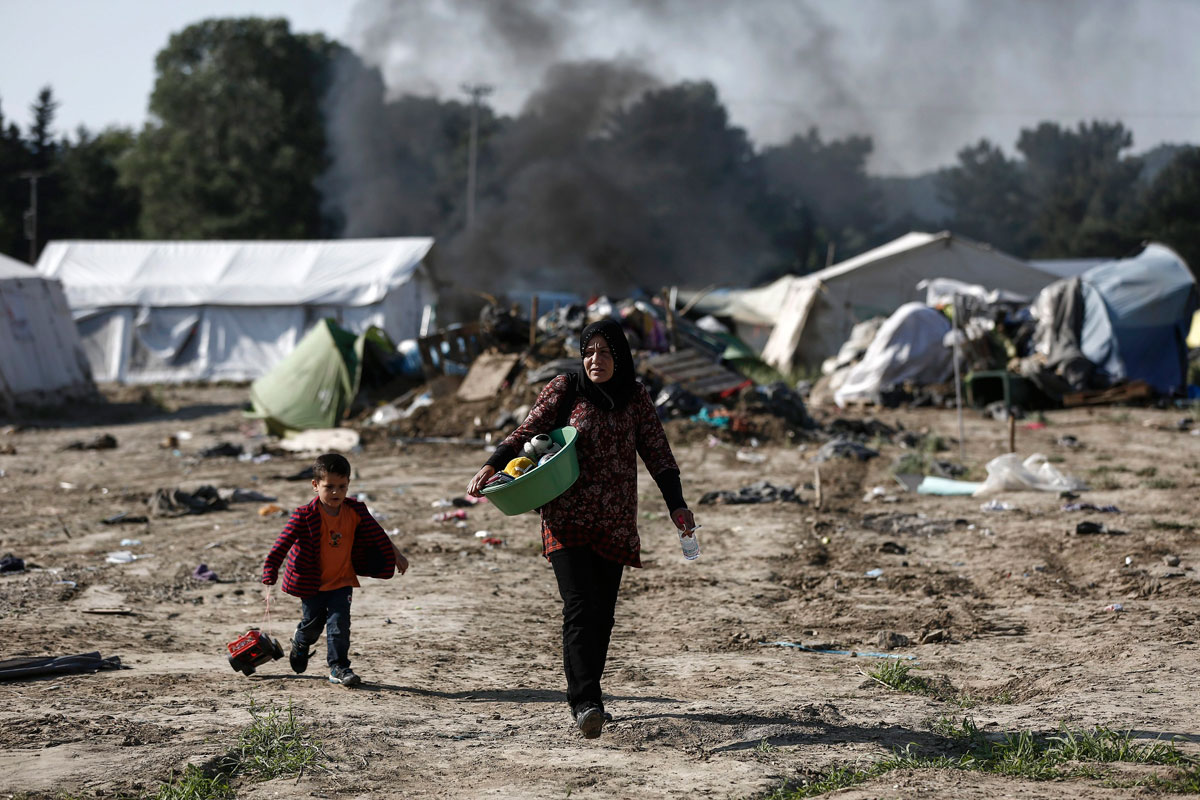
897,675
1168,525
1147,472
1024,754
1159,483
274,745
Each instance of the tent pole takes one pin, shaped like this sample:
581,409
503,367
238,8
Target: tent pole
962,445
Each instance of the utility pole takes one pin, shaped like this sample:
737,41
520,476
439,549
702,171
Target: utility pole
476,91
31,214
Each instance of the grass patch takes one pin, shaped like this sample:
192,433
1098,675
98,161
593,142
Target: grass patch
1147,472
1105,470
275,744
910,464
1024,754
898,676
1159,483
1168,525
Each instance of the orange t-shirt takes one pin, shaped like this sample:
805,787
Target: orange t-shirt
337,540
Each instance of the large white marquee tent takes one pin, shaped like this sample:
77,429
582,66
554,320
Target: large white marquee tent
230,310
41,358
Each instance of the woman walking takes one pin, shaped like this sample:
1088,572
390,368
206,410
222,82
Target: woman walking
589,533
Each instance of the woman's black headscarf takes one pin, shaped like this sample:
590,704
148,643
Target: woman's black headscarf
615,393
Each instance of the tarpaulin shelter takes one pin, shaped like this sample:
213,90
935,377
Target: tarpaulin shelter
1136,316
230,310
314,385
816,312
42,361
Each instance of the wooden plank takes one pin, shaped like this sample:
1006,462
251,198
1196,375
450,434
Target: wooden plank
694,371
487,376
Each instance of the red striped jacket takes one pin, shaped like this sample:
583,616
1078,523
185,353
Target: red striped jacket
372,554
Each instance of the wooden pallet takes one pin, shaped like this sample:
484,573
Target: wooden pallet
694,371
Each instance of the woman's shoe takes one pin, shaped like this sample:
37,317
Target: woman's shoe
590,721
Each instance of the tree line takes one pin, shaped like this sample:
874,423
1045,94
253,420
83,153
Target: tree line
256,132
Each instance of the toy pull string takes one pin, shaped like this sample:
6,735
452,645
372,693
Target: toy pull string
268,596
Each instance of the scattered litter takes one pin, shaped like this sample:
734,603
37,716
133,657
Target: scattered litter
1088,527
842,447
178,503
305,474
11,668
1129,561
72,584
442,503
269,509
1091,507
1171,560
936,485
324,440
492,541
446,516
113,611
874,573
750,458
124,518
121,557
261,458
1114,607
203,573
222,450
893,548
852,653
102,442
244,496
65,485
881,494
10,563
759,492
1034,426
1009,473
482,534
1069,442
131,543
997,505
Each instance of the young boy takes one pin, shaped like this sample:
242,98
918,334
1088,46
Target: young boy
328,543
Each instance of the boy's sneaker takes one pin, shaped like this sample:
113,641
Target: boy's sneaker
590,721
298,657
344,675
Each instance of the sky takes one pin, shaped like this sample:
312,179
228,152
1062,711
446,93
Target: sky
923,78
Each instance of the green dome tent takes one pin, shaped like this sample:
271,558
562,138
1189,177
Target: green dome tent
314,385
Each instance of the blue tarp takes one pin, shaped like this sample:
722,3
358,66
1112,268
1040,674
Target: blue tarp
1136,317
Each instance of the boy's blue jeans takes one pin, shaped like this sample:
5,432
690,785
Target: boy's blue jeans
331,611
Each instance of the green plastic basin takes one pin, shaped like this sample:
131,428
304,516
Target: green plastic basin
541,485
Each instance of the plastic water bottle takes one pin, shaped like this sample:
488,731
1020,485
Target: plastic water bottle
690,544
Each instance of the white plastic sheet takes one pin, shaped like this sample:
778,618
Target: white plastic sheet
1007,473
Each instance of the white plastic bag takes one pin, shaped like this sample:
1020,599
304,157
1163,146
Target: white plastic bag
1008,474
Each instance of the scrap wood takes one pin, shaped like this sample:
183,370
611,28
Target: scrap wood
115,610
486,376
694,371
1124,393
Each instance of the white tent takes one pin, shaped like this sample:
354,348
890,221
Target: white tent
816,312
178,311
41,358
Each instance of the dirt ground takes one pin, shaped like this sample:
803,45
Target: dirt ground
463,692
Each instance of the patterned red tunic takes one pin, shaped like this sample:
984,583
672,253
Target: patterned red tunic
600,510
